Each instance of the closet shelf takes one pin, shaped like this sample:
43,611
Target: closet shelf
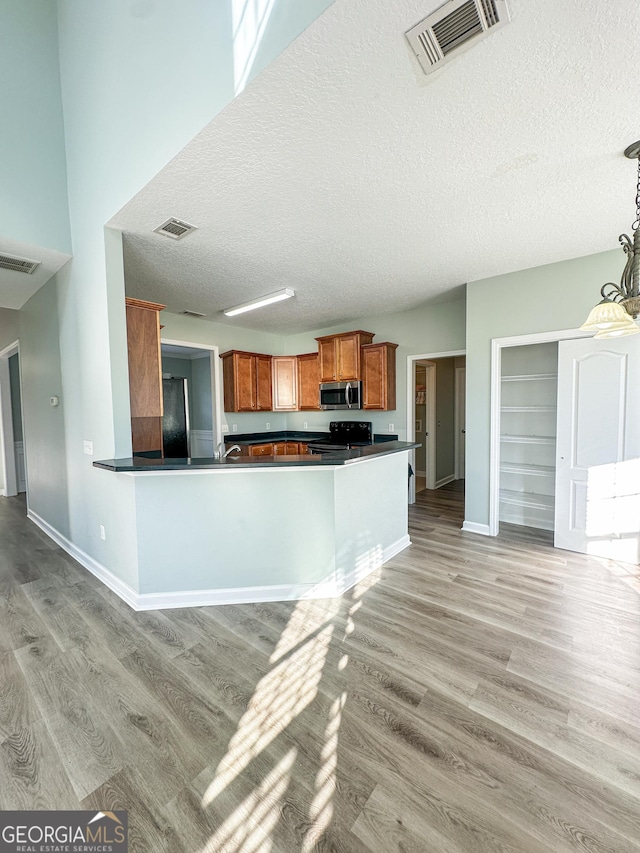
528,468
528,499
528,408
529,377
528,439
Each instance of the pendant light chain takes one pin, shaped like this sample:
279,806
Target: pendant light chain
636,224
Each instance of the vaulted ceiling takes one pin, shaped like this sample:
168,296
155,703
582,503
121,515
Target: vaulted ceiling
345,173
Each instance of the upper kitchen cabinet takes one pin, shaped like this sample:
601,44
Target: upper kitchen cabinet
145,374
247,381
308,382
339,355
285,383
379,376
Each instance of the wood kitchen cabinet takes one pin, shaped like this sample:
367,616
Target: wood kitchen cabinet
276,448
145,374
379,376
261,450
285,383
339,355
308,382
247,381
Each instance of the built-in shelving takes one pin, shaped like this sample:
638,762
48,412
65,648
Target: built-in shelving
528,428
529,439
528,377
528,408
528,469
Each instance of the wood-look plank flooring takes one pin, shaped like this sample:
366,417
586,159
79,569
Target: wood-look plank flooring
475,695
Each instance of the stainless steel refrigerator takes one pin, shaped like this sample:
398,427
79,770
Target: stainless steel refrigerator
175,421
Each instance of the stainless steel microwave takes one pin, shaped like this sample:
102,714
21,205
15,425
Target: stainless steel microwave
341,395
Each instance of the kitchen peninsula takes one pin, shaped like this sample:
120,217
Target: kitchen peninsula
266,528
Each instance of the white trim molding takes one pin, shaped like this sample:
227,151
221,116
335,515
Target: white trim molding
115,584
332,587
474,527
497,345
445,481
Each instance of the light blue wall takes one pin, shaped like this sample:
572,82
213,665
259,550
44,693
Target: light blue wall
16,404
188,330
426,329
423,330
552,297
231,526
33,199
9,327
138,79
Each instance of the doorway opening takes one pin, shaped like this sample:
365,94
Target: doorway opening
436,419
13,473
190,384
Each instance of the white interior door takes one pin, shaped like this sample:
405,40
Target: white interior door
598,448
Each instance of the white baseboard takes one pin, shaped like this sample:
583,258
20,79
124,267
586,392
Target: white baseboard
330,588
115,584
1,493
445,481
474,527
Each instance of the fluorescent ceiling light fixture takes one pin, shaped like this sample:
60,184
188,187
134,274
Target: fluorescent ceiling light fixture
261,301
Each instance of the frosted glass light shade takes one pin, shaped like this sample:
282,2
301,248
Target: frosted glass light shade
618,333
608,316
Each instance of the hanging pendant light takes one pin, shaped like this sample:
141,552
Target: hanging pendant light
612,317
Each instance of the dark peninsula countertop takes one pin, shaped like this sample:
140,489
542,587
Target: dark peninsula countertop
303,436
139,464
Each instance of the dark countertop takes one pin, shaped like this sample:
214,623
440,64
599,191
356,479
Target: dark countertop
289,435
138,464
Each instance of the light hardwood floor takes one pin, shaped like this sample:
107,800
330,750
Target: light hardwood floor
475,695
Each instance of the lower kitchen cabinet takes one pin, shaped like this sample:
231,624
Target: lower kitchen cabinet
261,450
275,448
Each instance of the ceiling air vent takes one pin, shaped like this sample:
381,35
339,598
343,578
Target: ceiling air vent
192,314
7,262
453,26
175,228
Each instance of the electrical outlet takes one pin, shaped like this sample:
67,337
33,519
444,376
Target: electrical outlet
268,425
391,427
235,427
305,425
225,427
87,447
103,532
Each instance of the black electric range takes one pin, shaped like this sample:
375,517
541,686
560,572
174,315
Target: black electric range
343,435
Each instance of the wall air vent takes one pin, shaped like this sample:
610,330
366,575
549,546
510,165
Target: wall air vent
175,228
452,27
192,314
7,262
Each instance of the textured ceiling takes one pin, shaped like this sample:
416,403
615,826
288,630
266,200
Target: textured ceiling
16,288
345,173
